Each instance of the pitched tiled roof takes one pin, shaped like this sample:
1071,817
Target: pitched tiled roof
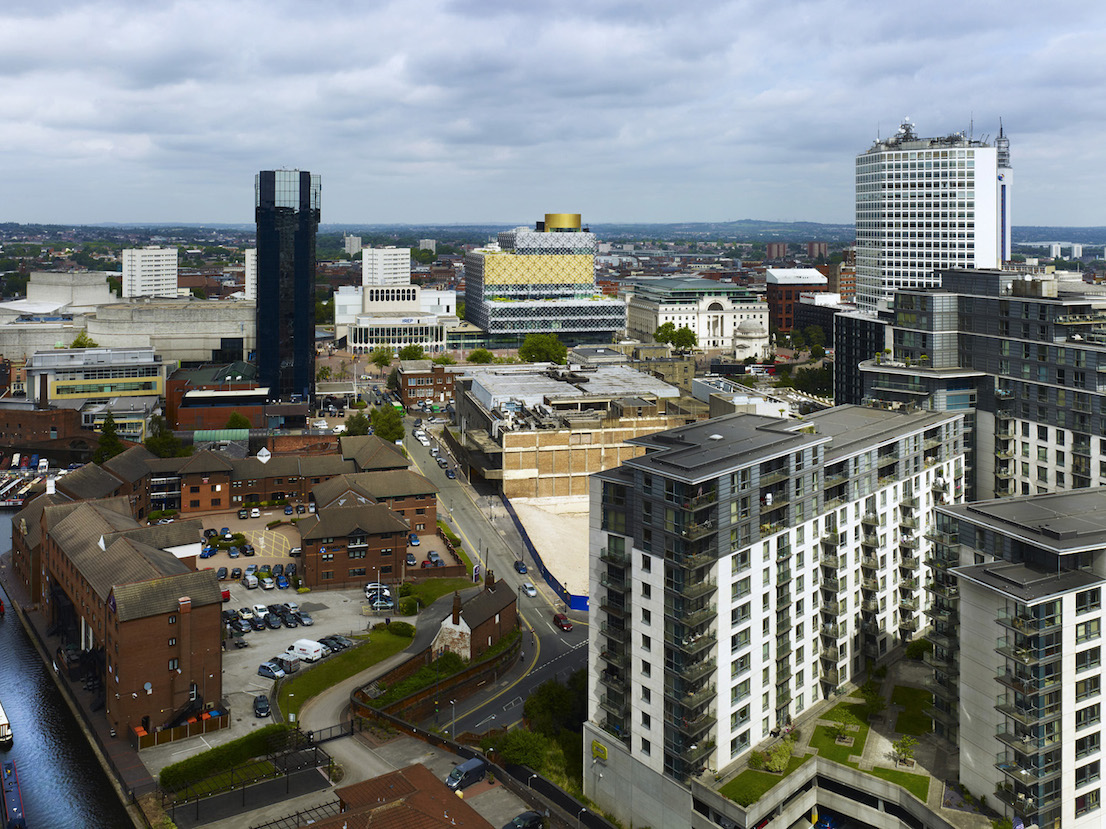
164,536
139,599
88,482
485,604
251,469
371,452
341,491
339,522
130,465
28,520
319,465
166,466
395,483
205,461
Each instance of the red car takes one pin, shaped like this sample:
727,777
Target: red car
561,621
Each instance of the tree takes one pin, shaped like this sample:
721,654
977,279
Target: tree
480,356
874,703
543,348
381,358
903,748
815,335
237,420
324,312
109,444
665,333
82,340
412,352
162,442
387,423
392,383
322,373
523,748
684,339
444,360
817,352
549,709
357,424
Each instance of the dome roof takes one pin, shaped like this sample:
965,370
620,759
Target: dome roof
748,326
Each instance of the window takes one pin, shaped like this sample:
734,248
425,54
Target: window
647,669
646,694
739,640
1085,660
1088,745
173,642
174,664
1088,600
646,720
740,614
1086,803
1086,688
646,590
172,620
646,616
1087,774
1087,716
1086,631
646,642
645,747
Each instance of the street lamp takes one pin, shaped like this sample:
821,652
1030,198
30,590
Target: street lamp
453,727
531,777
581,812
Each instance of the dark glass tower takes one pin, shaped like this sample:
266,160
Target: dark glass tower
287,210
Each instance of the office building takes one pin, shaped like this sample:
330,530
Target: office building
856,337
722,315
928,204
540,281
785,286
741,570
386,266
1022,694
1022,356
149,271
287,208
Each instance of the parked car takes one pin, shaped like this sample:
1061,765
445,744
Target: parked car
289,509
257,623
413,540
248,550
300,509
272,621
290,569
236,573
221,574
240,642
289,620
270,671
245,613
467,773
305,620
207,552
261,706
291,607
243,513
434,557
255,513
449,473
410,559
241,625
210,532
278,570
234,552
561,621
529,589
268,583
520,566
229,616
442,462
282,583
251,569
527,820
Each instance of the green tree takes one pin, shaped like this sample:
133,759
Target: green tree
387,423
665,333
817,352
381,358
323,373
543,348
523,748
550,709
237,420
162,442
480,356
392,383
903,748
684,339
412,352
109,444
815,335
82,340
444,360
798,341
357,424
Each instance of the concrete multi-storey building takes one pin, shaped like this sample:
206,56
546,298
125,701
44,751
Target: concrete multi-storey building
1022,357
722,315
540,281
394,316
741,570
926,204
149,271
1017,656
386,266
785,286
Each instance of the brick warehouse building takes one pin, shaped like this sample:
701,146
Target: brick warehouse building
135,620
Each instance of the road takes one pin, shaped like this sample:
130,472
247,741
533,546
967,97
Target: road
484,527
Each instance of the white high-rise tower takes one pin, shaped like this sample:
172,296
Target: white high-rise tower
150,271
923,204
386,266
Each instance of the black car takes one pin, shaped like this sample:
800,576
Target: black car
247,549
342,641
210,532
290,569
243,513
239,642
229,616
236,573
289,621
520,566
241,625
272,621
257,624
334,643
277,608
278,570
300,509
261,707
221,574
527,820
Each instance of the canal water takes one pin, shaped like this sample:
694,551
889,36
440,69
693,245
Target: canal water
64,786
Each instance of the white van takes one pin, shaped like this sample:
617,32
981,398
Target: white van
250,581
307,649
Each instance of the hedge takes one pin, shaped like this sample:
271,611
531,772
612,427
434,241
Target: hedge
207,763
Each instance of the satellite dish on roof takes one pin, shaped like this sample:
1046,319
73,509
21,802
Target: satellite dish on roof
264,455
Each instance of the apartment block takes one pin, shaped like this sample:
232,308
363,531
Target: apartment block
149,271
386,266
743,569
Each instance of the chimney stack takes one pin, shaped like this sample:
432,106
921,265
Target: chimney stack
456,608
489,580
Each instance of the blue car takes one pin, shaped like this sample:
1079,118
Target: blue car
288,510
282,582
207,552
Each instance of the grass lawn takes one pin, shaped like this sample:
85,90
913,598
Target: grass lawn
749,786
848,712
307,683
825,741
229,780
914,701
916,784
431,589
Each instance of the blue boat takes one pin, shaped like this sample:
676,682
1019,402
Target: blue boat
13,799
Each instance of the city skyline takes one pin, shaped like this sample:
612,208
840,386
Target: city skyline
467,112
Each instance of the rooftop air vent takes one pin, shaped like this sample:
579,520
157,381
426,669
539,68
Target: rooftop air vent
715,437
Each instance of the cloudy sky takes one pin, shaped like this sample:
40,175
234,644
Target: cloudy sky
482,111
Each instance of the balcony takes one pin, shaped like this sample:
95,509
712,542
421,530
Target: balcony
783,575
1008,764
612,681
871,585
613,582
949,664
940,485
691,645
704,499
618,634
942,615
908,624
693,727
612,557
1028,685
906,543
948,718
835,479
1023,741
908,603
869,562
615,658
1027,715
614,704
886,460
692,532
870,628
945,590
696,752
832,631
909,502
908,584
1027,623
869,540
943,638
1025,655
870,519
910,562
783,697
946,687
834,585
694,672
831,607
691,618
773,476
871,650
692,561
831,675
692,699
832,654
832,539
616,728
618,609
832,562
694,589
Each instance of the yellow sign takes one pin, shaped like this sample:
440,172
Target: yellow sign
598,750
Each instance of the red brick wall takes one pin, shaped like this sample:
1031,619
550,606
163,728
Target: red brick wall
378,565
204,493
408,507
